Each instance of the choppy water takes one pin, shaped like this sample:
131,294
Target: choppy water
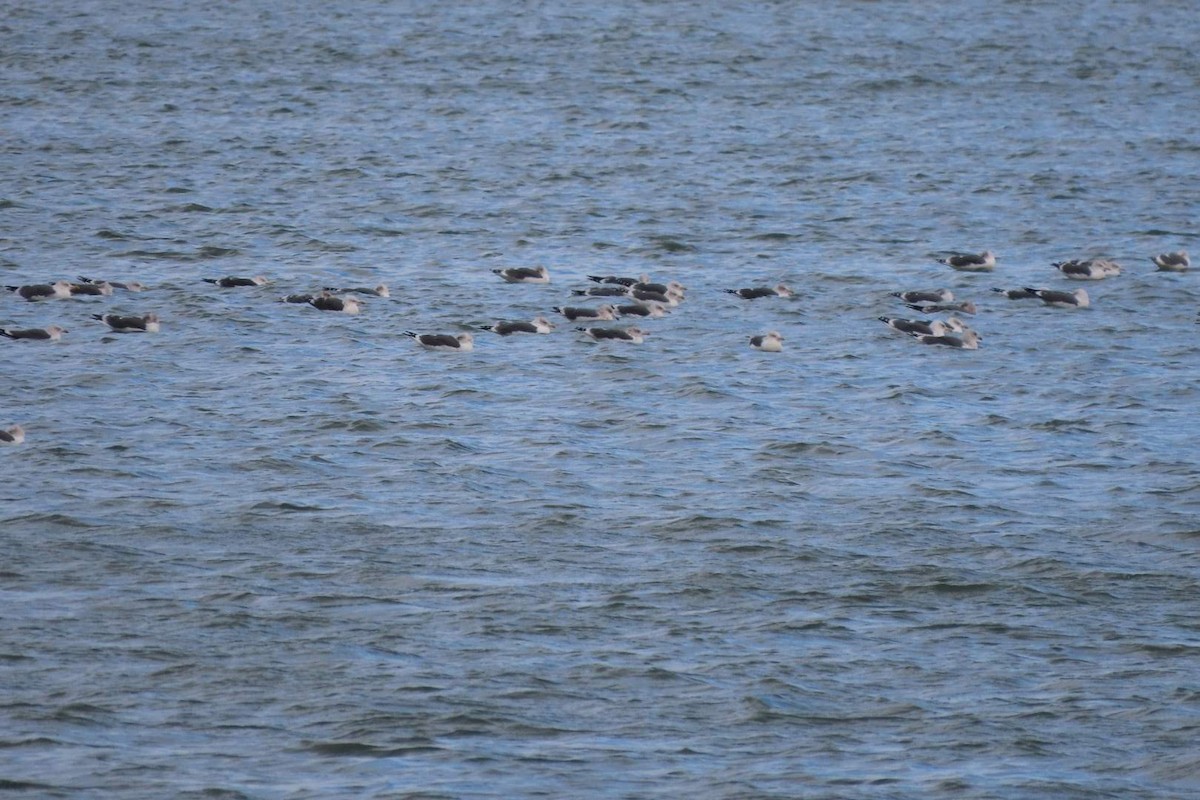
274,553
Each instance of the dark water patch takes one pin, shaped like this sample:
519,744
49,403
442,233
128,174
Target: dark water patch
362,750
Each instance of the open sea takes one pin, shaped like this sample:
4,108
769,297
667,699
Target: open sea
272,553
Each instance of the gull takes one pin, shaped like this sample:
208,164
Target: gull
147,323
52,333
524,274
971,262
443,341
43,291
1052,297
770,342
633,335
753,293
230,281
506,328
1173,262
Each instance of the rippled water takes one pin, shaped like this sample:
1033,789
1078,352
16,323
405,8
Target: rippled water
275,553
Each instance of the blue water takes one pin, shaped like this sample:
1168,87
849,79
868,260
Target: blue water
274,553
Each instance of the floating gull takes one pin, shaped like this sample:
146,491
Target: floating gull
925,296
969,340
633,335
642,310
1091,270
524,274
43,291
506,328
297,298
53,333
92,288
573,313
770,342
602,291
344,305
443,341
1051,297
669,298
129,286
933,327
379,291
662,288
231,281
618,279
14,434
781,290
1016,294
971,262
1173,262
966,307
147,323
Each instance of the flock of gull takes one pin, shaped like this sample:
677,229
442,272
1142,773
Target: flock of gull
623,298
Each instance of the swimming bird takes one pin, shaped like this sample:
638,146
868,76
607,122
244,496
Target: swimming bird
662,288
230,281
617,279
506,328
573,313
770,342
524,274
52,333
94,289
971,262
670,298
969,340
13,434
966,307
147,323
1090,270
602,291
444,341
379,291
328,302
925,296
297,298
933,327
1052,297
129,286
43,291
633,335
1173,262
653,310
1016,294
780,290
